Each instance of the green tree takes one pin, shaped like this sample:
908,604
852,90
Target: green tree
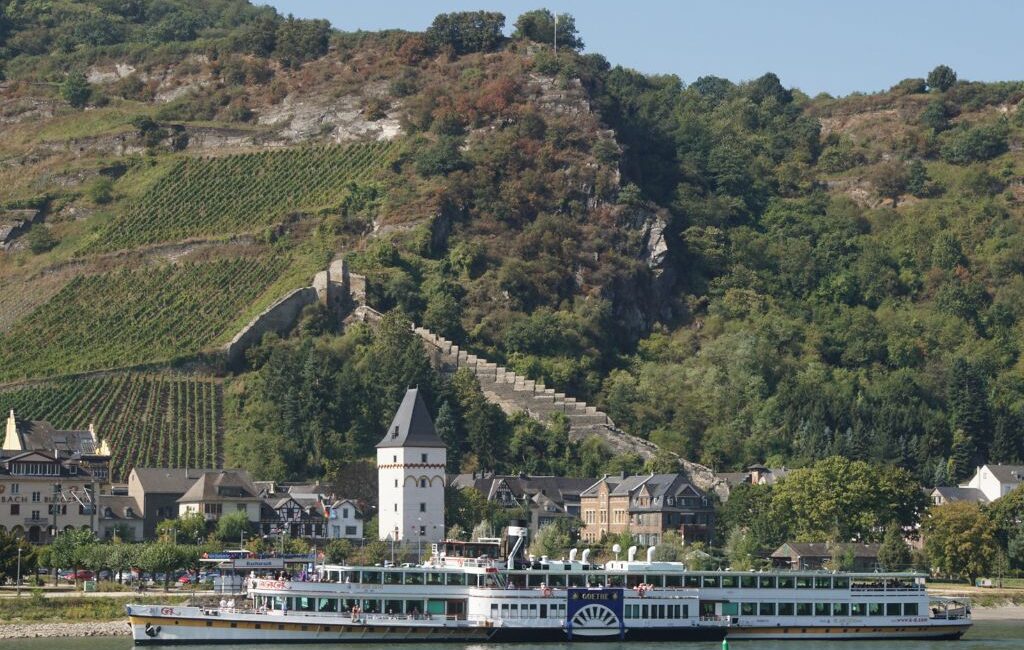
467,31
75,89
894,554
742,550
101,191
960,539
165,558
670,548
466,507
298,41
539,26
890,180
189,528
67,549
40,239
338,551
232,526
941,78
552,540
122,558
9,545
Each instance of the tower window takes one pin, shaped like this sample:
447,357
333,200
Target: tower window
423,482
396,507
423,531
423,458
396,482
394,459
423,507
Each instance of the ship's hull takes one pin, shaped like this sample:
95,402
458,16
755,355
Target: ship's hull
934,632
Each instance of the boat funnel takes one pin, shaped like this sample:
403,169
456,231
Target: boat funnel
631,553
650,554
572,555
586,554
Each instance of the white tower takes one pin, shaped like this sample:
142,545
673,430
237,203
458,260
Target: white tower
410,473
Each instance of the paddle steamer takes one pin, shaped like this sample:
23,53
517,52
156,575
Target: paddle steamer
477,599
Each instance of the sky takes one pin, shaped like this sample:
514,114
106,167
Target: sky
829,46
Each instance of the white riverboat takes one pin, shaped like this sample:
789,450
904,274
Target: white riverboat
481,599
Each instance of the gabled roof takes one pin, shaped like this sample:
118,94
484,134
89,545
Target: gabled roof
412,425
29,435
823,549
121,507
175,480
221,485
951,494
1007,473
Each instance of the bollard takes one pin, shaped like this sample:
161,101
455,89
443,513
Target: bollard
725,644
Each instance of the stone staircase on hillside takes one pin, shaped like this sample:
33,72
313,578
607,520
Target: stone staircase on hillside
513,392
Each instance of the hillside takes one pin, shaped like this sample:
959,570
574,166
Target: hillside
735,271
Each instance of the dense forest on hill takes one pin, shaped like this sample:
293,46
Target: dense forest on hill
734,270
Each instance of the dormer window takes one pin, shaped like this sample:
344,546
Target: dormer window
394,434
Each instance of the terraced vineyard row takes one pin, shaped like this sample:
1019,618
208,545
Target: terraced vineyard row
148,420
240,193
129,317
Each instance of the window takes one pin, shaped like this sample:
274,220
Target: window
910,609
840,609
823,582
875,609
15,509
344,513
803,609
423,458
729,582
212,508
35,515
841,582
423,507
748,609
396,482
822,609
766,582
804,582
241,507
785,609
748,582
15,488
423,482
394,459
786,582
35,497
423,531
892,609
858,609
766,609
396,507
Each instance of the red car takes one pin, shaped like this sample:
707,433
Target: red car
82,574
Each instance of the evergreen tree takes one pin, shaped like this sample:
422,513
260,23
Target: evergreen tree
894,554
75,90
969,413
447,429
1005,441
960,464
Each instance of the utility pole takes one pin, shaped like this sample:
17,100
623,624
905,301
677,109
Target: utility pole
53,505
556,34
19,569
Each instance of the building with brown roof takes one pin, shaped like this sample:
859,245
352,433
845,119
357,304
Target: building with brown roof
646,506
157,490
546,498
815,555
222,492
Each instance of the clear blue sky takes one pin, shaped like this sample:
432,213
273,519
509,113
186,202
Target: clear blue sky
829,46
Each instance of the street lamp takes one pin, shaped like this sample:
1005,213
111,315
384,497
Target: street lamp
53,505
19,569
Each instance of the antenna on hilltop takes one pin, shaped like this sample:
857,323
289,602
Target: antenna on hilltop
556,33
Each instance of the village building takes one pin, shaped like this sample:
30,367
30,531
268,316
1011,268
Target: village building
345,520
157,490
120,515
222,492
996,481
411,476
647,507
545,499
943,495
49,478
802,556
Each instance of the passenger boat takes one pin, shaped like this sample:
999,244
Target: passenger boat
476,599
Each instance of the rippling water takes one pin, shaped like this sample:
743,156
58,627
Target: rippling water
985,635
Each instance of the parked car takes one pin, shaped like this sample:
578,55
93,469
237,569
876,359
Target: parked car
82,574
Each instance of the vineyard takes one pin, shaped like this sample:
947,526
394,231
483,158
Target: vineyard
240,193
129,317
148,420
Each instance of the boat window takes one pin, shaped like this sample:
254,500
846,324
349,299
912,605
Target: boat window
748,582
858,609
766,582
748,609
392,577
803,609
513,610
709,582
392,607
692,581
327,605
822,609
614,581
840,609
804,582
643,612
536,579
371,577
559,580
875,609
786,582
494,610
910,609
413,578
504,610
371,606
823,582
729,582
455,578
634,580
348,603
840,582
728,609
435,578
892,609
543,611
630,611
516,580
673,581
657,580
303,604
785,609
686,611
766,609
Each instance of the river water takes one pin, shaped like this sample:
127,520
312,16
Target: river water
985,635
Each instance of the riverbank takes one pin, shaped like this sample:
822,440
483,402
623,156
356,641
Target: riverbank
64,630
1007,612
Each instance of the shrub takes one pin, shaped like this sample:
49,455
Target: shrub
975,143
101,191
941,78
40,239
467,31
75,90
